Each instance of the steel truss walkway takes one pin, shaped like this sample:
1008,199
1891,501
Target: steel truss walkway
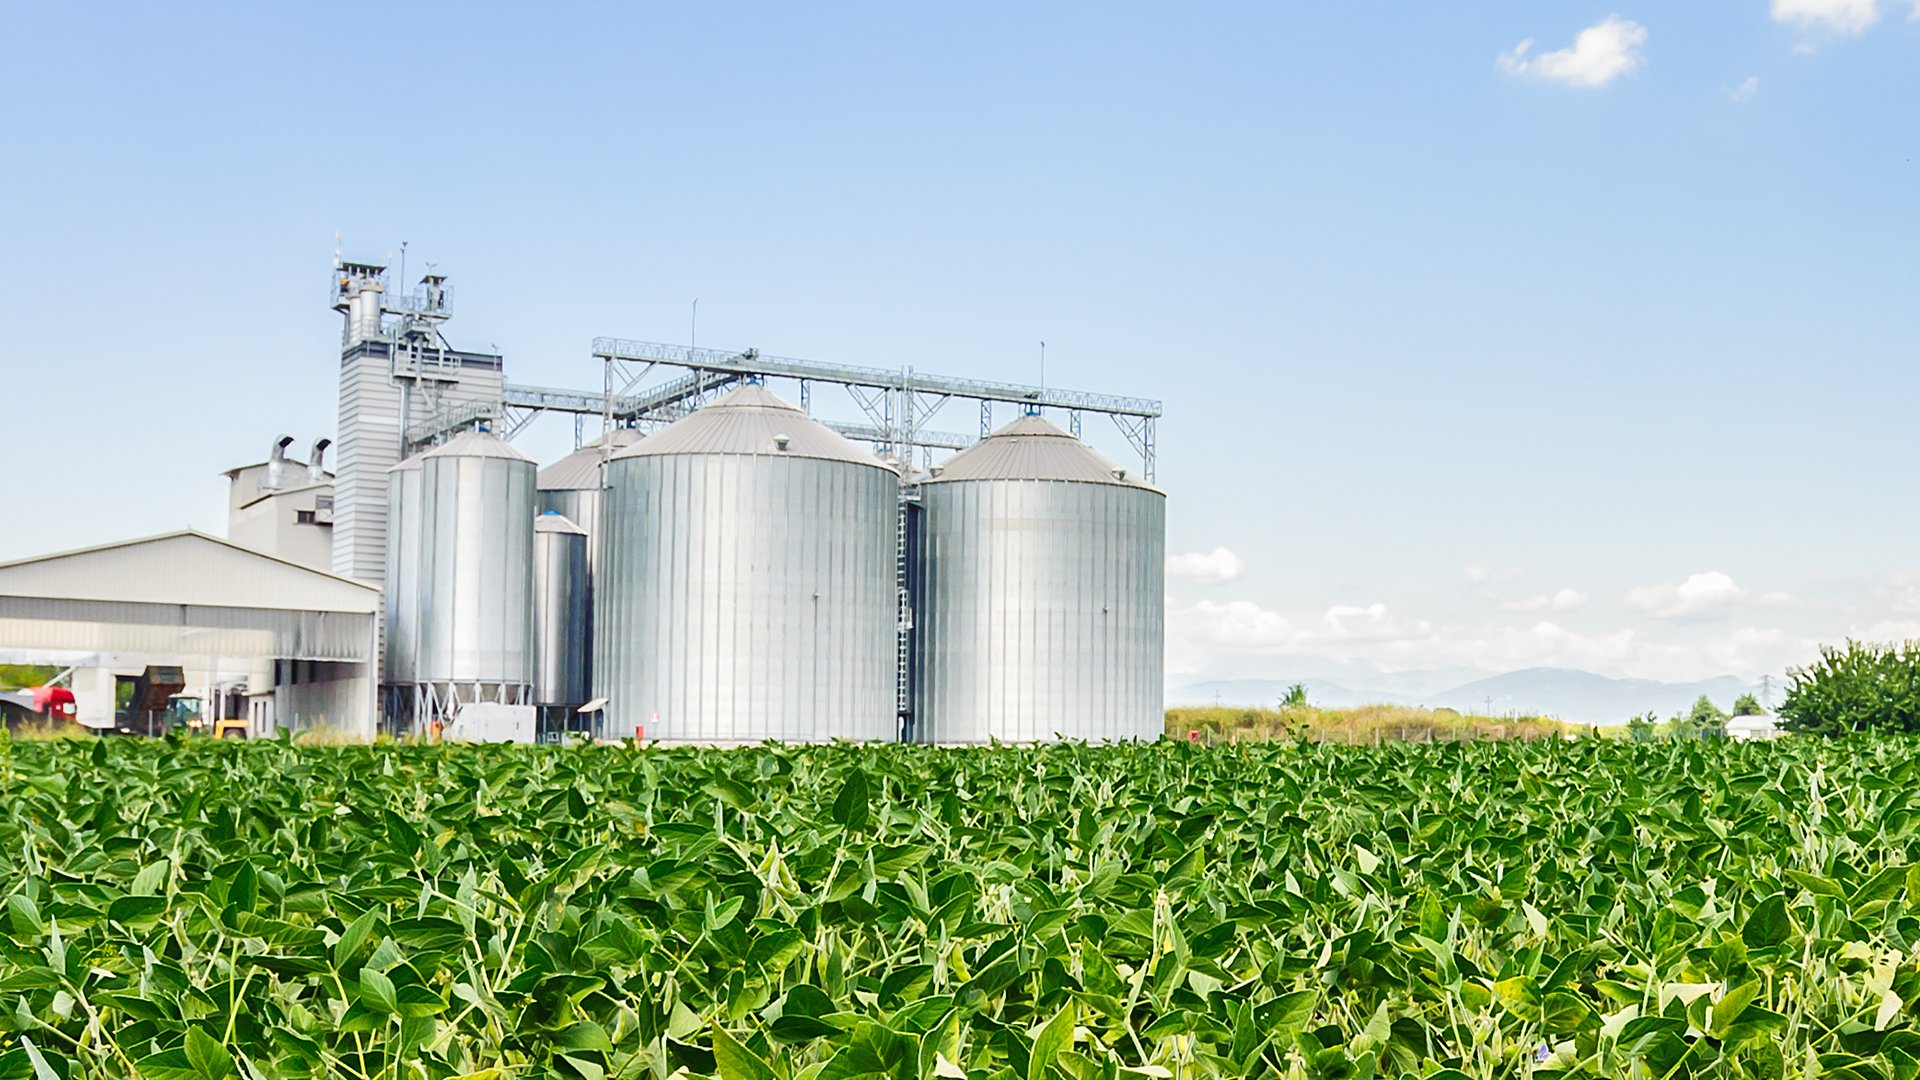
898,404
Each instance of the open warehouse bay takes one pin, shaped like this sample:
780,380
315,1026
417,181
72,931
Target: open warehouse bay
182,909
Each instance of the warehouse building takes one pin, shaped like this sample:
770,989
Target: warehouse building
227,632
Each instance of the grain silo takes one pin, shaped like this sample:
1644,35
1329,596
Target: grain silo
402,589
745,588
475,637
560,621
1041,602
571,487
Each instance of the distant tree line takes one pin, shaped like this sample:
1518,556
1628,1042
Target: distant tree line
1703,721
15,676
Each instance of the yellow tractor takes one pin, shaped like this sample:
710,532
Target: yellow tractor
185,711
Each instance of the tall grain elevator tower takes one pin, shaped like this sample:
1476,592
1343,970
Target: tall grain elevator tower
401,384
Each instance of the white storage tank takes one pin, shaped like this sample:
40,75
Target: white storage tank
475,638
1041,594
745,587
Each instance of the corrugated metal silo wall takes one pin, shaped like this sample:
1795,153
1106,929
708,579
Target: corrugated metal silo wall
747,597
582,507
1043,612
402,588
476,570
560,618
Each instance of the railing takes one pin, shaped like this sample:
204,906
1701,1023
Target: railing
452,419
753,363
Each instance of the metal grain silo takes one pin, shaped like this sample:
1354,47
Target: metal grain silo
1041,603
475,640
571,487
401,597
560,615
745,588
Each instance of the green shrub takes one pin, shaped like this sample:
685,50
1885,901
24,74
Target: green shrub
1864,687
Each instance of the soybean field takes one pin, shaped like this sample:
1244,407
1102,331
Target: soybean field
200,910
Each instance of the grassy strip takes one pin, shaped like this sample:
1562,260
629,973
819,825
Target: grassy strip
1368,725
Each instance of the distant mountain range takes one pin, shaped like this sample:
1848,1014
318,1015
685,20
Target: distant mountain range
1581,697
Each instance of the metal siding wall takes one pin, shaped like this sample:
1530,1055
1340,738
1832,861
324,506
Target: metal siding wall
1044,611
706,610
368,446
108,626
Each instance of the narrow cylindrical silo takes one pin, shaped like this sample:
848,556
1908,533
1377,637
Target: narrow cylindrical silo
745,588
401,599
571,487
475,639
1041,606
559,613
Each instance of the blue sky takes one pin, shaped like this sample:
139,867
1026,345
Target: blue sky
1596,353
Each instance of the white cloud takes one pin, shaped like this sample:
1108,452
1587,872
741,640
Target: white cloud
1599,54
1885,630
1348,622
1844,16
1208,569
1242,639
1703,626
1700,597
1746,89
1564,600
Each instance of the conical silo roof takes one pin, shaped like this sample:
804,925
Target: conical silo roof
1033,448
477,444
553,521
580,470
752,420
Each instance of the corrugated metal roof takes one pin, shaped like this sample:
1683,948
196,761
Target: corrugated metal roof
477,444
749,420
555,522
185,567
580,470
1033,448
407,465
